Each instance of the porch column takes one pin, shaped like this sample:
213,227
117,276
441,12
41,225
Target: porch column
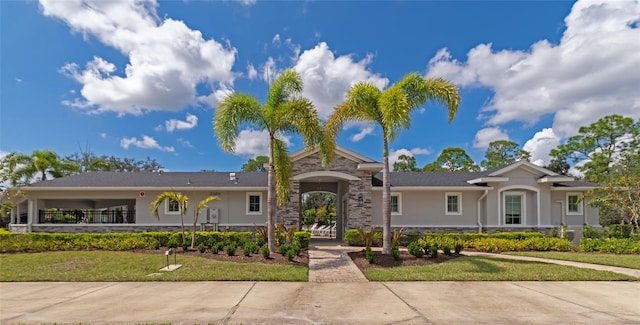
32,210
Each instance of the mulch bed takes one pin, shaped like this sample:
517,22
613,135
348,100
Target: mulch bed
406,259
275,258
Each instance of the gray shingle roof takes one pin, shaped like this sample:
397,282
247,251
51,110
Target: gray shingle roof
429,178
160,180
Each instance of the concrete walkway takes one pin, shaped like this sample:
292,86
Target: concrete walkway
615,269
205,302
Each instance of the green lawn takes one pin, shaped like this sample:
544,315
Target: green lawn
127,266
628,261
468,268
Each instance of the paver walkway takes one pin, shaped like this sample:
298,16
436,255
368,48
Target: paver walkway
329,262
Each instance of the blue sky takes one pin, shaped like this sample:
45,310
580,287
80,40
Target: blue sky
143,79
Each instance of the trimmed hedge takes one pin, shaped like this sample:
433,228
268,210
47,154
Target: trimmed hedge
39,242
497,245
610,245
303,239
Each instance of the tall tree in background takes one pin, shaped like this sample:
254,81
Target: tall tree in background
453,160
286,111
41,165
405,163
503,152
598,145
256,165
391,109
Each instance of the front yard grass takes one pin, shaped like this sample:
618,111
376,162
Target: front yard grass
472,268
129,266
628,260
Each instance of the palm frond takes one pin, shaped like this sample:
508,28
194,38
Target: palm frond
183,202
300,116
396,112
283,167
443,92
287,84
234,110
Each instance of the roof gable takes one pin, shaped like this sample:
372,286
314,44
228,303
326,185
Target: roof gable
339,151
524,165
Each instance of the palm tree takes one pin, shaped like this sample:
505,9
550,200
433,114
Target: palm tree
391,109
199,206
285,111
182,201
42,163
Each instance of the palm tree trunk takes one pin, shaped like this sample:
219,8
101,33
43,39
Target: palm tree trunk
271,211
193,237
386,199
184,238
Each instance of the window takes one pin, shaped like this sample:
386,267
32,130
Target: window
574,204
513,208
254,203
172,207
453,201
396,203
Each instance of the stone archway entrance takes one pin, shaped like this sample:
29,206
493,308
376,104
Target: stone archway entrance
349,177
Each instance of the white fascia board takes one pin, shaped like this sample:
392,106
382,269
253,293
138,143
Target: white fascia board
556,179
434,188
488,180
373,167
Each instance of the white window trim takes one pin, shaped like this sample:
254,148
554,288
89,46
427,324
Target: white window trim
580,204
399,195
446,203
250,194
523,219
166,208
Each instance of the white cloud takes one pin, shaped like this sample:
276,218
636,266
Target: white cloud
276,39
364,131
255,143
247,2
18,80
395,154
487,135
594,71
215,97
269,70
185,143
327,78
540,145
252,73
146,142
173,124
103,135
167,59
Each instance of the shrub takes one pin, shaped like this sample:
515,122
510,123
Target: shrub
265,252
589,231
291,254
434,251
620,231
546,244
415,249
497,245
201,248
172,243
156,244
378,237
369,255
217,248
446,250
247,248
185,246
303,239
284,248
295,247
610,245
231,249
409,237
395,252
352,237
458,248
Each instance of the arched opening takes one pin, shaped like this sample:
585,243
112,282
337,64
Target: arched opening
319,213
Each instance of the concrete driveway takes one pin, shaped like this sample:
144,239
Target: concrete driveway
321,303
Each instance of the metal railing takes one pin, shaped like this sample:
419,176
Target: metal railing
86,216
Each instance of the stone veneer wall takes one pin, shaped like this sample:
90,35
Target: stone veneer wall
358,216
